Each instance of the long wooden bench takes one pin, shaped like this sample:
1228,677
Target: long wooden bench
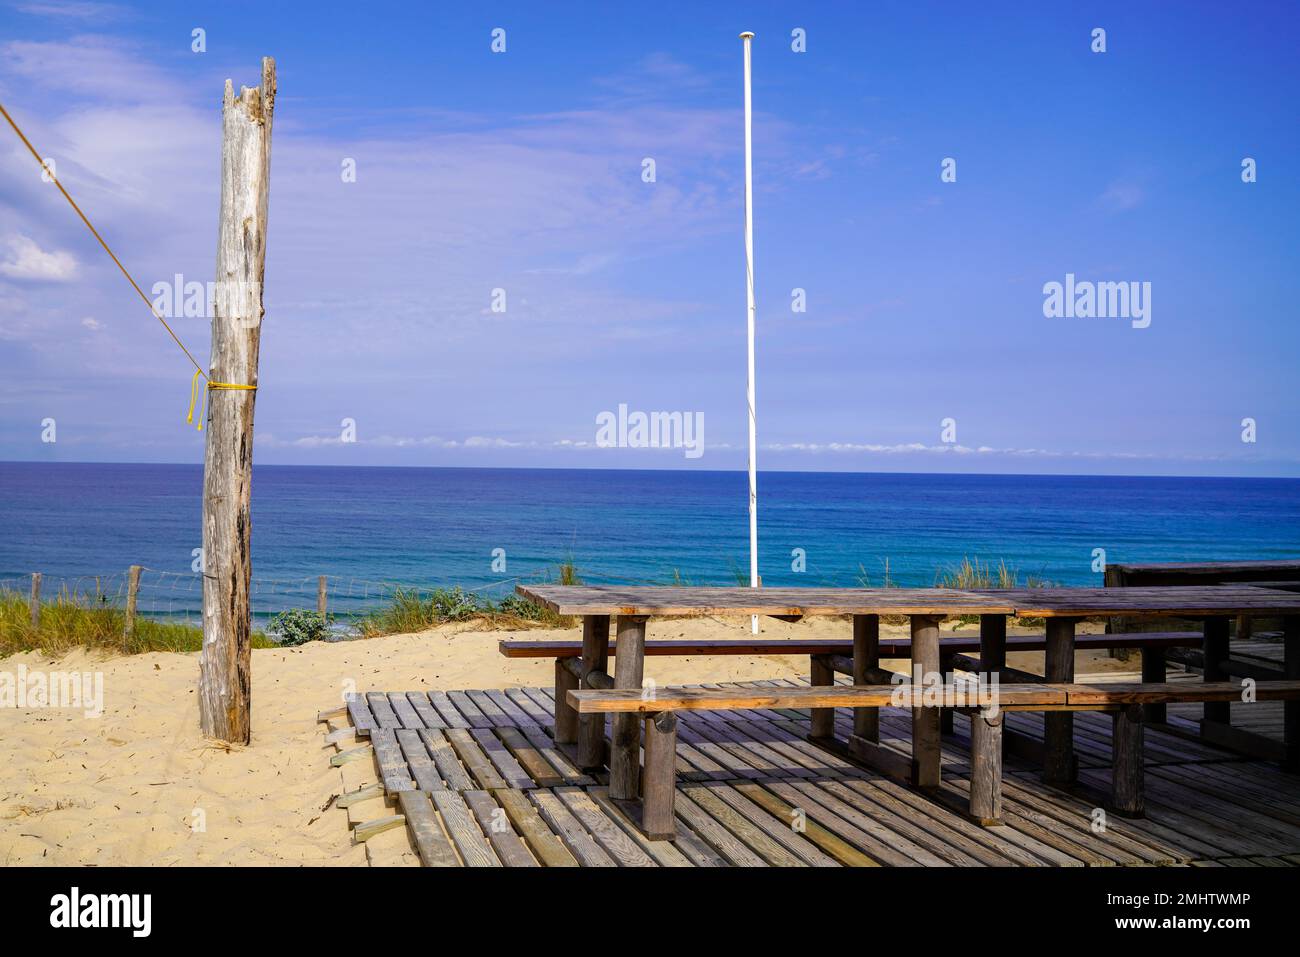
889,647
829,655
658,708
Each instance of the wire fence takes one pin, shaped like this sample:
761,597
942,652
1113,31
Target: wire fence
178,596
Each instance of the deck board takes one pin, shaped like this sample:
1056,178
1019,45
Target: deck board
492,788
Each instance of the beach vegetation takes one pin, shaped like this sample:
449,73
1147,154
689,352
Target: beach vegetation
410,610
70,621
297,626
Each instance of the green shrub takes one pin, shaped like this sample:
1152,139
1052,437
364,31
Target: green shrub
456,604
297,626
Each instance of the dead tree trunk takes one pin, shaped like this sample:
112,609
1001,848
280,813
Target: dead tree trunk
225,679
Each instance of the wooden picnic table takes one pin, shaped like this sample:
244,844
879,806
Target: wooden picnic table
1062,608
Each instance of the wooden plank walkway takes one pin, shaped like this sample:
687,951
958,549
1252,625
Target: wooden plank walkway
482,784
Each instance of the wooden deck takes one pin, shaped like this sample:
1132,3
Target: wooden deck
479,782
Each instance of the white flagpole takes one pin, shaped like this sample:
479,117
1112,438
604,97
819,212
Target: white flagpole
749,294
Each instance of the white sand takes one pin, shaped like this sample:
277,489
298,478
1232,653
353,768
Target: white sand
127,787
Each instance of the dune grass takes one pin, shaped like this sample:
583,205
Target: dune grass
71,621
411,610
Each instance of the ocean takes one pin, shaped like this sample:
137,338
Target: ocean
369,529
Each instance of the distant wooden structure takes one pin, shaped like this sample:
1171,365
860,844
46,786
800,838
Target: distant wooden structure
225,680
1197,573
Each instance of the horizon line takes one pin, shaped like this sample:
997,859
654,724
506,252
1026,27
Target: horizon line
549,468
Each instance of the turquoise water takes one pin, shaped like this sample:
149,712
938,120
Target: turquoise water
425,527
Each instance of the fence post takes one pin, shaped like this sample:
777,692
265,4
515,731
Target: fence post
36,600
132,594
225,664
320,597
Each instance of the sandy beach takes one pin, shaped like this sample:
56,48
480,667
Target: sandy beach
133,786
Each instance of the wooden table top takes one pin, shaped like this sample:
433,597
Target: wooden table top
1184,601
806,602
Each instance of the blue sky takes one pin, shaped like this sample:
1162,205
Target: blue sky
522,171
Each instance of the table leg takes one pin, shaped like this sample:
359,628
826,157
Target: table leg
1126,766
595,657
925,721
822,675
993,643
866,657
566,717
1291,709
1059,766
1214,652
1154,672
625,747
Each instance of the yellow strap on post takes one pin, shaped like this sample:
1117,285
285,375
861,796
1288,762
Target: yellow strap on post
194,395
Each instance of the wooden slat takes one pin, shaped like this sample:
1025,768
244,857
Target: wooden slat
1154,601
430,842
494,821
575,837
422,767
404,711
382,710
608,834
444,757
780,602
452,717
468,709
464,830
472,756
546,847
509,769
1173,692
359,712
889,647
838,696
665,853
392,764
538,769
429,716
566,769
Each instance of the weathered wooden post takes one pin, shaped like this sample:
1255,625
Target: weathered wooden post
35,601
320,596
225,682
132,597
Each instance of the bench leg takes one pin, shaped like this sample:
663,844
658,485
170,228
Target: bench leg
925,721
595,657
657,820
986,767
1059,765
1126,785
1153,672
1214,651
625,748
823,719
1291,709
566,718
945,716
993,643
866,656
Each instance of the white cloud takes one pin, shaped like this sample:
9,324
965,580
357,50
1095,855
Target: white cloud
1122,196
91,323
72,10
26,260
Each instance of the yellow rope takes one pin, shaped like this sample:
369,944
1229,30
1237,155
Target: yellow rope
198,369
194,395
